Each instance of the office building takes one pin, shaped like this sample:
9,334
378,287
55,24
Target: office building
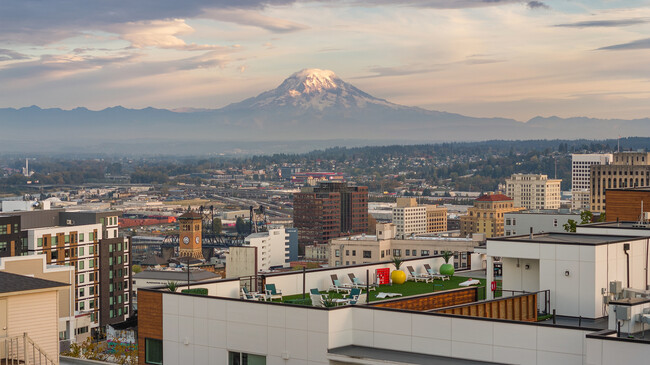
627,170
330,210
534,191
545,220
581,177
436,219
487,215
385,245
271,248
409,217
292,248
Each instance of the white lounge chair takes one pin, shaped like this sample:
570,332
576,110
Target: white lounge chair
416,277
337,286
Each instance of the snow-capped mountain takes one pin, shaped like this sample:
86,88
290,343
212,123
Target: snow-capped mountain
313,89
311,105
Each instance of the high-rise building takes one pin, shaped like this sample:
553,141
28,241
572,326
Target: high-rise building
487,215
271,248
409,217
580,177
627,170
534,191
330,210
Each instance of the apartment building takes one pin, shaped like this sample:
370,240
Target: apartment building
272,248
76,246
436,219
581,177
534,191
487,215
627,170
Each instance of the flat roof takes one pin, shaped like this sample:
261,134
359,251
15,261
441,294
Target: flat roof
624,225
175,274
568,238
398,357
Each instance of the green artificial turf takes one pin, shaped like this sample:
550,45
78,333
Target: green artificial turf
407,289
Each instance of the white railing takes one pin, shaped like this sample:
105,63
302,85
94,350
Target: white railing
22,350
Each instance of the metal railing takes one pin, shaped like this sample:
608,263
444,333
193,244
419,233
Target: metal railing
22,350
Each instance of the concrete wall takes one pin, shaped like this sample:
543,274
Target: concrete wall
241,261
199,330
540,222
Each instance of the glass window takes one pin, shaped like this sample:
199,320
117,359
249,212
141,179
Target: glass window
110,248
81,237
337,253
81,278
39,242
367,254
91,250
153,351
241,358
67,238
81,265
81,251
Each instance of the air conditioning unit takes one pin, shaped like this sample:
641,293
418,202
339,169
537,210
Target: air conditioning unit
69,222
615,287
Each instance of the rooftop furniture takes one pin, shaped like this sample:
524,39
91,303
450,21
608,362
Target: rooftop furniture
337,286
317,298
271,292
434,274
417,277
469,282
248,295
388,295
356,283
361,299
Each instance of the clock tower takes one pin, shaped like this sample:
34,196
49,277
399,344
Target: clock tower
189,238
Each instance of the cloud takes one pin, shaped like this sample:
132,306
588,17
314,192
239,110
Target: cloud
9,55
255,19
638,44
605,23
158,33
537,5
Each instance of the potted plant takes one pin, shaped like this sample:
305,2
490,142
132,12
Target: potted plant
398,276
447,268
172,286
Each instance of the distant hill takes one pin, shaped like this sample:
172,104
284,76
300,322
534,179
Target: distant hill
310,109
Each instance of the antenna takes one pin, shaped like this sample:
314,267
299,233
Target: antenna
619,143
556,168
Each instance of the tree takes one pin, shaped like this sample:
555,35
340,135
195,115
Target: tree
241,226
570,225
217,227
136,269
586,217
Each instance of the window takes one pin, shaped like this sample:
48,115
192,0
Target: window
110,248
408,252
91,236
382,254
91,263
397,252
240,358
367,254
3,246
354,252
67,238
81,265
91,250
507,221
81,237
91,277
347,252
39,242
81,251
337,253
110,261
424,253
81,292
119,259
82,305
555,222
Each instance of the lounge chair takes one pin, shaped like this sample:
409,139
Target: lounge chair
469,282
248,295
337,286
356,283
317,298
361,299
416,277
271,292
434,274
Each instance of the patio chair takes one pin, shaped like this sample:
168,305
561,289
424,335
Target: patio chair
361,299
271,292
434,274
356,283
317,298
415,276
248,295
337,286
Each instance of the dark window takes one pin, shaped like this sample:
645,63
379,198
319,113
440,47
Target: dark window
153,351
367,254
240,358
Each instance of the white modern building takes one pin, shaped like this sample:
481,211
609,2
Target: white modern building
539,220
534,191
409,217
272,248
580,176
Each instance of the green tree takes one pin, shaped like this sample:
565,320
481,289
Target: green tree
586,217
136,269
570,225
241,226
217,227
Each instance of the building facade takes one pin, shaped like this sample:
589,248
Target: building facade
627,170
631,205
409,217
581,177
190,225
271,248
534,191
487,215
436,219
330,210
518,223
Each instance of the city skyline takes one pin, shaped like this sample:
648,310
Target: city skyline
509,59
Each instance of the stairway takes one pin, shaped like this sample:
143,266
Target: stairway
18,350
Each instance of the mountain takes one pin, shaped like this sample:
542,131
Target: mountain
310,108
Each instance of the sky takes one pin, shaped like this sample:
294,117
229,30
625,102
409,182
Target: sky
485,58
